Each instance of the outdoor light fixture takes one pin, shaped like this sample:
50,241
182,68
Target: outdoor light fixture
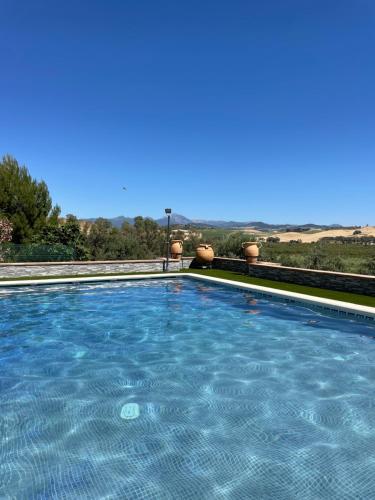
168,212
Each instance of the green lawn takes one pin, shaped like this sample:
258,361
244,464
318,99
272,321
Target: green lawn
354,298
364,300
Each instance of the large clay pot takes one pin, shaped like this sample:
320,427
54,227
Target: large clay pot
251,251
176,249
204,254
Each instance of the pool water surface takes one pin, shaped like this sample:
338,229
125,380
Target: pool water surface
175,389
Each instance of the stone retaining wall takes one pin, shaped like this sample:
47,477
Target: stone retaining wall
236,265
186,262
354,283
343,282
36,269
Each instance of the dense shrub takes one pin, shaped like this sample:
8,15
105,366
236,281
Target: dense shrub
368,267
36,252
292,261
332,264
315,258
67,234
231,245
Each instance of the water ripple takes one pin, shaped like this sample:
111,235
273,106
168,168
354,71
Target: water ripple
238,397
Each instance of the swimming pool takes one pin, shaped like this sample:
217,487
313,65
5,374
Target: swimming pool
173,389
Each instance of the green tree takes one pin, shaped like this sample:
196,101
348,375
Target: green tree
25,201
151,238
143,240
67,234
104,241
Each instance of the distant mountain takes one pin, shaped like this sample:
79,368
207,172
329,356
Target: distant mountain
115,221
181,220
119,221
176,219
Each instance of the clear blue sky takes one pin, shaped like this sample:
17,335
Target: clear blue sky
244,110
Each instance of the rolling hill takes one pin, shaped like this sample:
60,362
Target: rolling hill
181,220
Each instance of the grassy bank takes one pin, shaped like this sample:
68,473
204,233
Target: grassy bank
353,298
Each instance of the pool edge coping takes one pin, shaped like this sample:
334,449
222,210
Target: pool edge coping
328,304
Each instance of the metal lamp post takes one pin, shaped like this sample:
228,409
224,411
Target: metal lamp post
168,212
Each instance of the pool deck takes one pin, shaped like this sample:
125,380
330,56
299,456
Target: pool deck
355,311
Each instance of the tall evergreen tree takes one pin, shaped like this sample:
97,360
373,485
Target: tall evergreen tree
25,201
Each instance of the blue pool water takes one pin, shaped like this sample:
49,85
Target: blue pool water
173,389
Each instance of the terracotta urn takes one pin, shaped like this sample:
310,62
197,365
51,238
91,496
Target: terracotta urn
176,249
251,251
204,254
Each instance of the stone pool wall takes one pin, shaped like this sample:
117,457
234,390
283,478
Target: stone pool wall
344,282
354,283
36,269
